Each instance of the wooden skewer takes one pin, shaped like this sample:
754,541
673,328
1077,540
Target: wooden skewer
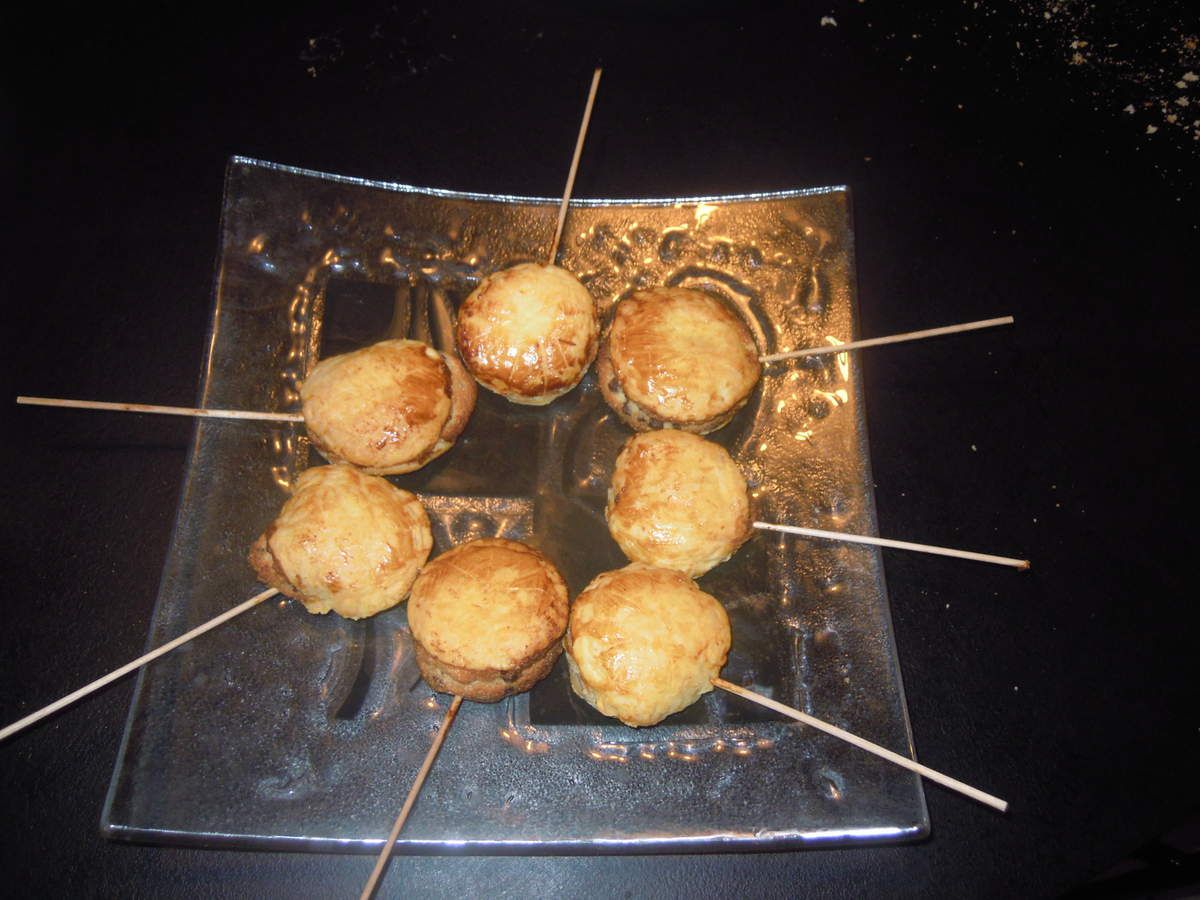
163,410
137,663
862,743
1022,564
386,852
583,126
889,339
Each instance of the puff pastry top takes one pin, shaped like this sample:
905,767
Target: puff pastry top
382,408
643,643
682,356
678,501
345,542
490,604
528,333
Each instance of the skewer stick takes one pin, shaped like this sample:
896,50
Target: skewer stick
583,126
137,663
863,744
163,410
889,339
386,852
1021,564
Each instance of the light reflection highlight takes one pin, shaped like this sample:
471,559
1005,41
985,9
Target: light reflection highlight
703,212
532,747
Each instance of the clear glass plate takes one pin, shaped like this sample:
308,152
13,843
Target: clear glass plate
287,730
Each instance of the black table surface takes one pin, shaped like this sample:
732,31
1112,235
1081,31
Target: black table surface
1037,159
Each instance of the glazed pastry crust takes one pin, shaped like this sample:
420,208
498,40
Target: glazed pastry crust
528,333
677,501
487,619
383,408
344,542
677,358
644,643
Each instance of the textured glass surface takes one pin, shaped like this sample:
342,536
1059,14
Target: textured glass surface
283,729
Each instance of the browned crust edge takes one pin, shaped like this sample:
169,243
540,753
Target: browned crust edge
263,561
487,685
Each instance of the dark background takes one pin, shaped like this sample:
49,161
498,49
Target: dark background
1033,159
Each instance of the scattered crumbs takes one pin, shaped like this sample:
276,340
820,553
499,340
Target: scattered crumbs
1057,505
1182,101
1129,109
1035,520
1182,85
1150,129
1015,688
1191,76
828,21
974,448
947,606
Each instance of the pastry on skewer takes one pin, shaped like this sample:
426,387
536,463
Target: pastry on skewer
388,408
344,542
487,619
677,501
645,642
676,358
528,333
680,358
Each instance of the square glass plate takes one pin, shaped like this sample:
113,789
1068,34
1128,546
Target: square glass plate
287,730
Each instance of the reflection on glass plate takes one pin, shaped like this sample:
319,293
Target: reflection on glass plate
283,729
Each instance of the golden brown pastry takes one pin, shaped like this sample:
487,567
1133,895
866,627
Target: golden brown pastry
388,408
487,619
644,643
676,358
528,333
677,501
345,542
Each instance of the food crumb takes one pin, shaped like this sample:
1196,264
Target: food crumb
974,448
829,21
1150,129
